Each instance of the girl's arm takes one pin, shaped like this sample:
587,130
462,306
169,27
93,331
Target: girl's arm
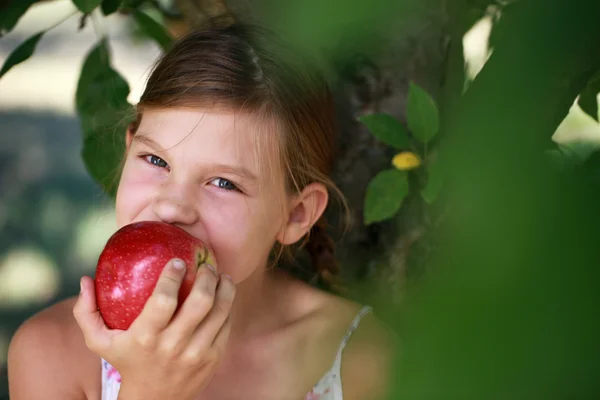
43,360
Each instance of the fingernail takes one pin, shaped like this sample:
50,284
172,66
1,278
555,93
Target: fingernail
178,264
81,285
210,267
228,277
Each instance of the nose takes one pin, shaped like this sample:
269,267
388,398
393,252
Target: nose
175,205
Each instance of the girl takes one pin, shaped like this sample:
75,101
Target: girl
233,143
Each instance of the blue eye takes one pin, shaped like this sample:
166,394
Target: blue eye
224,184
154,160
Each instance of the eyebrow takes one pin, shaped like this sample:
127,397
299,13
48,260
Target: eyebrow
148,141
212,168
232,169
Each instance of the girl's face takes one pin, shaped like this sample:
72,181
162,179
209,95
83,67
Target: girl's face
199,170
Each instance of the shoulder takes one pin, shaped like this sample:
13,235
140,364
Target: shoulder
368,355
368,360
47,356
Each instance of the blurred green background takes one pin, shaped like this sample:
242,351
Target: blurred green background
505,307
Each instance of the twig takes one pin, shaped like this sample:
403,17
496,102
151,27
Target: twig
198,12
59,22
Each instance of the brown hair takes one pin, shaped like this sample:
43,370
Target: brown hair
246,68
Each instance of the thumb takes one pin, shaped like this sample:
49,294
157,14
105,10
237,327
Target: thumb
88,317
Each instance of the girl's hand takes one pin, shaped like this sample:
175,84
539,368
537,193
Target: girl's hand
162,356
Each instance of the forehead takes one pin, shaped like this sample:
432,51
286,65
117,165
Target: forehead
178,126
215,136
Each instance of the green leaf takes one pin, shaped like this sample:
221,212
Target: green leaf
435,179
501,28
588,101
153,29
131,4
21,53
11,13
591,168
385,194
422,114
387,129
87,6
104,113
100,88
102,156
110,6
588,98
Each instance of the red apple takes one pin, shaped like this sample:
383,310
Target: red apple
132,261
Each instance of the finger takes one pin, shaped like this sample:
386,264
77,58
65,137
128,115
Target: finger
222,336
162,303
195,307
209,352
206,334
88,317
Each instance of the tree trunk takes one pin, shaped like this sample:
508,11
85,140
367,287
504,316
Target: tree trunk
379,84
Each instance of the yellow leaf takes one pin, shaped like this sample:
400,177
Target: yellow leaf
406,160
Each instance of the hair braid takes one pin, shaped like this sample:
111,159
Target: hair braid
321,249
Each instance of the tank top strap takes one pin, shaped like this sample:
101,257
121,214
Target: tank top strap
330,385
353,325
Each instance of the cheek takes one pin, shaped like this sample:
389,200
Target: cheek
133,196
242,237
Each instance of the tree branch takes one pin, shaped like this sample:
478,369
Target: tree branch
199,12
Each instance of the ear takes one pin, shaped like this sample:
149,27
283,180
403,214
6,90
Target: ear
305,210
129,136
